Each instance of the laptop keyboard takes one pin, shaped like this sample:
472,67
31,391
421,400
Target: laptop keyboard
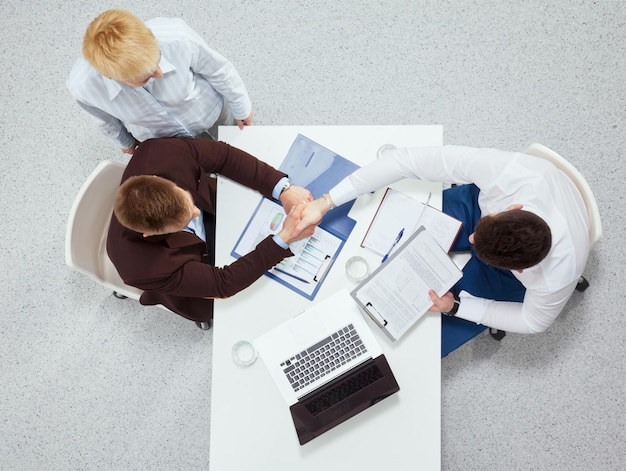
343,390
323,357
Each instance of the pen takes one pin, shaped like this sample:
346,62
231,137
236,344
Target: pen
395,242
293,276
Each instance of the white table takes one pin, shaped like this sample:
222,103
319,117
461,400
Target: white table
251,427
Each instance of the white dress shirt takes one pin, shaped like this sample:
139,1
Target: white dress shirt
504,179
186,101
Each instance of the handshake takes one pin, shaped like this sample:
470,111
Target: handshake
303,213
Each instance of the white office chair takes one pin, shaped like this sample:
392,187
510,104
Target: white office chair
87,228
595,225
88,225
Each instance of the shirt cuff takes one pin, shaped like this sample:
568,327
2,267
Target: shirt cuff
343,192
126,142
279,188
280,242
471,308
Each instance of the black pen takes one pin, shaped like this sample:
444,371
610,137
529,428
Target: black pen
291,275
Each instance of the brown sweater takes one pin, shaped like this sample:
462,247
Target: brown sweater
174,269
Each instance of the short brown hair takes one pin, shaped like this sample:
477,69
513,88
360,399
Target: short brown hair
120,46
150,204
513,240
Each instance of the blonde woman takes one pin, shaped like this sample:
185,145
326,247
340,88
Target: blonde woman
155,79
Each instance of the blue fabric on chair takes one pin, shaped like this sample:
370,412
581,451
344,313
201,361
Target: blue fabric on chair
479,279
461,202
483,281
455,332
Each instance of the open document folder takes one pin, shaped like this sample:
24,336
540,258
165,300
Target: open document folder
395,295
318,169
313,256
398,213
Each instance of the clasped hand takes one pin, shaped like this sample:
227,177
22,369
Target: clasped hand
303,213
294,201
311,214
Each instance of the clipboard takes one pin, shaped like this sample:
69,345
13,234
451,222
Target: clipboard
395,295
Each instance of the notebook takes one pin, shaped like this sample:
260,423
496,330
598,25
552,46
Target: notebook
327,365
400,212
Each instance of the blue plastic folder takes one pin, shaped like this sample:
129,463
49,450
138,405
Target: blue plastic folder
317,169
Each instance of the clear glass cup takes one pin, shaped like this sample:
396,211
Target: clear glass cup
357,269
244,353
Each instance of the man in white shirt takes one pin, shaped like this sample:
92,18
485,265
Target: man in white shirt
522,296
156,79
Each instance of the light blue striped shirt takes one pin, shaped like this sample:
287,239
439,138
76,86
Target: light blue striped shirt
186,101
196,226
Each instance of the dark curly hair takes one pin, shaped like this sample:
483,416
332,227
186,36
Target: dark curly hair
513,240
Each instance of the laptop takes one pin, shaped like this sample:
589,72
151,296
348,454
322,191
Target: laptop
327,364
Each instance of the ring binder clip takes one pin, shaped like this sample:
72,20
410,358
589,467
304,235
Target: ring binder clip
374,314
323,269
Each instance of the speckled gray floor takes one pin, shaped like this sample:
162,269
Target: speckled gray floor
91,382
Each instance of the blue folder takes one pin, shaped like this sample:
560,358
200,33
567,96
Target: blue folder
318,169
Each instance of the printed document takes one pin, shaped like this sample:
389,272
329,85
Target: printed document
395,295
312,258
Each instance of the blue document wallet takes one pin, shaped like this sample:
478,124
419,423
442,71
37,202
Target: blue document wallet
317,169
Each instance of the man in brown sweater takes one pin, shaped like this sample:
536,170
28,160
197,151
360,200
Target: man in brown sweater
161,237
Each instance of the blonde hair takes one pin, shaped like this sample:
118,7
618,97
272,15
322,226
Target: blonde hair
150,204
120,46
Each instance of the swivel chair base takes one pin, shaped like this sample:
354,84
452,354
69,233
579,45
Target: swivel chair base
203,325
582,285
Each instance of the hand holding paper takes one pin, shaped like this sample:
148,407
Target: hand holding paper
444,303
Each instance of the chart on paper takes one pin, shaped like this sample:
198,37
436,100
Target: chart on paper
312,257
